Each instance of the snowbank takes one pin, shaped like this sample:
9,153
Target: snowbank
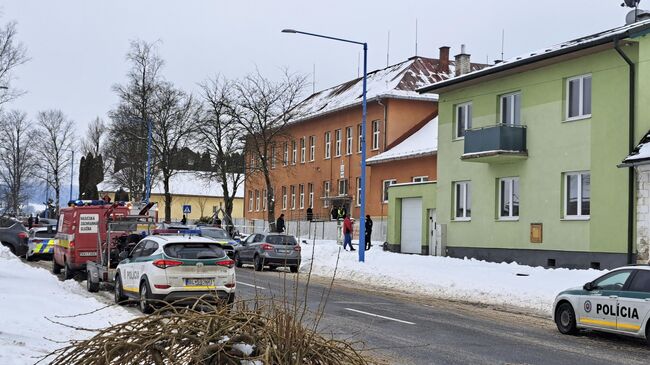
27,296
526,287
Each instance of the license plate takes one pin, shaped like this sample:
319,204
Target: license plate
284,251
199,282
87,253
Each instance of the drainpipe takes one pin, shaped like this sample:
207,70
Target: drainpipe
631,141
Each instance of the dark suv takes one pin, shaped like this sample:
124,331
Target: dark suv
13,235
269,249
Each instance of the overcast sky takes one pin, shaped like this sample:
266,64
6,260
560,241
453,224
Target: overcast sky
77,47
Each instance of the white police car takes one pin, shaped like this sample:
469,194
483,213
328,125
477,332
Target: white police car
617,302
175,269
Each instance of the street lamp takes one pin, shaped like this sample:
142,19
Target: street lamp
362,213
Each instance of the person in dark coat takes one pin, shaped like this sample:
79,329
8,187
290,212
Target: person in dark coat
184,220
368,232
279,224
310,214
334,213
30,222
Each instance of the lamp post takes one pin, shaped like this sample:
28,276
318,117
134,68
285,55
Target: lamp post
362,180
147,188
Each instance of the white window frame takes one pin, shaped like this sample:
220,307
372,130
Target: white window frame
337,142
465,186
348,140
257,200
376,130
284,198
292,192
581,114
310,191
510,181
273,156
250,200
301,195
326,193
294,152
358,197
565,198
419,179
303,149
343,183
264,200
312,148
328,145
360,131
512,106
384,189
466,123
285,155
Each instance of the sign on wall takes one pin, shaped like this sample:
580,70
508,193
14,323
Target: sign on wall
187,209
88,223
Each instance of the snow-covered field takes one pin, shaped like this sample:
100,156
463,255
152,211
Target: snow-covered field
530,288
28,297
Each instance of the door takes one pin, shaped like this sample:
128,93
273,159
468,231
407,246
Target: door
128,270
411,225
599,307
634,302
435,248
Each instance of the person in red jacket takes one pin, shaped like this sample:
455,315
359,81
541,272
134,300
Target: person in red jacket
347,233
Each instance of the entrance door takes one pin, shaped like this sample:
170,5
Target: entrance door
434,246
411,225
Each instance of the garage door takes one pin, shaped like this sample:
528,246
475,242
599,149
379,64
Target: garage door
411,225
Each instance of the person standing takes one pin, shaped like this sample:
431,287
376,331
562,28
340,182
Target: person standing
334,213
310,214
184,220
30,222
279,224
347,233
368,232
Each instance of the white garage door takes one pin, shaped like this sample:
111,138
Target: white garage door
411,225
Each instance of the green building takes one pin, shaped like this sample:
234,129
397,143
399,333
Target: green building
529,148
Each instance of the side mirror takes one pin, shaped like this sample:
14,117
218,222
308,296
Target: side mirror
123,255
589,286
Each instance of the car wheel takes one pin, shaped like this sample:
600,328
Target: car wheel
29,257
67,273
238,262
565,319
144,304
56,268
92,286
118,292
259,263
293,269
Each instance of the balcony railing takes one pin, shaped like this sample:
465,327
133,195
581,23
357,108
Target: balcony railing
498,143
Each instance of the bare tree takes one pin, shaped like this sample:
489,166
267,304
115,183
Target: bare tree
12,54
220,135
16,163
94,140
262,110
54,138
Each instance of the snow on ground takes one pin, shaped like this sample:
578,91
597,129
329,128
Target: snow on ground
28,296
502,284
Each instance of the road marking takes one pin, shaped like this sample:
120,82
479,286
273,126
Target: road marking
251,285
378,316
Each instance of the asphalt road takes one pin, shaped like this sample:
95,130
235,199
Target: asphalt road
399,328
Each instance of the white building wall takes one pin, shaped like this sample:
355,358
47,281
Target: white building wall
643,213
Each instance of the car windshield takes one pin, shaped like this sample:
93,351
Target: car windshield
281,240
215,233
45,234
194,250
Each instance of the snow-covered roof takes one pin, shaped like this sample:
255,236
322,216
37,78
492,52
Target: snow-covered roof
397,81
640,155
182,183
424,142
592,40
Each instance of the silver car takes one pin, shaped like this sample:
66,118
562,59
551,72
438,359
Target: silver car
269,249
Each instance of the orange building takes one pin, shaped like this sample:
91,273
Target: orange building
318,165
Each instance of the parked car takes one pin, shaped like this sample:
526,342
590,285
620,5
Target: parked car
617,302
221,236
13,235
175,269
269,249
40,243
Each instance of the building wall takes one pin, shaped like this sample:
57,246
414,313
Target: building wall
406,115
428,193
209,203
643,213
554,146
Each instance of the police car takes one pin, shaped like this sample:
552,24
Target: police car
41,242
617,302
175,269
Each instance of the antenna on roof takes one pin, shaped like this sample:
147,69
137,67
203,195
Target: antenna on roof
358,64
416,37
313,80
503,41
388,50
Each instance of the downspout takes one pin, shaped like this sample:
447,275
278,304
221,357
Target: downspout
630,177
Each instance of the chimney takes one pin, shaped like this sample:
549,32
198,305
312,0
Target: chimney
443,62
462,62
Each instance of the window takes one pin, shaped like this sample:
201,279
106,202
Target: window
418,179
509,198
294,152
252,164
328,144
284,198
360,134
257,200
348,140
264,200
385,186
577,193
303,150
273,156
578,95
358,192
285,155
641,281
250,200
612,281
326,194
301,194
462,201
343,187
463,119
511,109
337,143
312,148
149,248
293,196
310,191
375,134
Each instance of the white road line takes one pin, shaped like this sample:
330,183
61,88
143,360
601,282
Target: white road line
378,316
251,285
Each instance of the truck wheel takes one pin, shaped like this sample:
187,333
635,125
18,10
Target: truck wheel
293,269
119,293
56,268
238,262
565,319
92,286
145,305
259,263
67,271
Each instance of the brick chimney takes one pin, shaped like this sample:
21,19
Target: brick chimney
443,62
462,62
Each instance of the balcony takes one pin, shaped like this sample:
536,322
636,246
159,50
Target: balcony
501,143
